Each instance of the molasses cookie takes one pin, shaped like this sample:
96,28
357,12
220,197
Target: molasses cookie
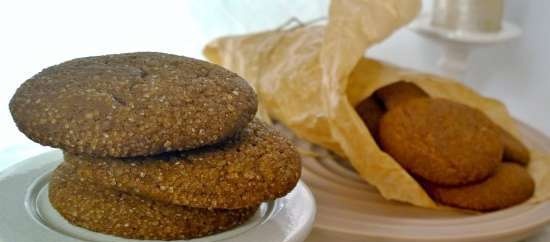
399,92
514,150
256,165
371,110
510,185
441,141
132,104
130,216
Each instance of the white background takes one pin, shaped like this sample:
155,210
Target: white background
37,34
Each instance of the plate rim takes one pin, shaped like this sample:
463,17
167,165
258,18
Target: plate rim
524,227
300,196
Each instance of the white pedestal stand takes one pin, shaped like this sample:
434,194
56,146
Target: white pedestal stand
457,44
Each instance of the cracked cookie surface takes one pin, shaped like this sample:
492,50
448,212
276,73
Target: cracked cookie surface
132,104
256,165
442,141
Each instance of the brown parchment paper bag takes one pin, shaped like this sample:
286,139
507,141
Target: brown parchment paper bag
311,77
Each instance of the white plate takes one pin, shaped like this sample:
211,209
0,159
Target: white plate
27,216
349,209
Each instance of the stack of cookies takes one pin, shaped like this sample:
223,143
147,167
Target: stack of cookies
156,146
456,152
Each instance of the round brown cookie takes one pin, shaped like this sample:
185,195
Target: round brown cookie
132,104
514,150
441,141
371,111
130,216
510,185
399,92
255,166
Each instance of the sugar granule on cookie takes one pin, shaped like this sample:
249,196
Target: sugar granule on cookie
117,213
132,104
256,165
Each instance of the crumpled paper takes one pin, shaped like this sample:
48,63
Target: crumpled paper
311,77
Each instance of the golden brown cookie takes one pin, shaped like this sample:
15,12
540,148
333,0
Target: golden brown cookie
514,150
441,141
132,104
510,185
371,111
108,211
399,92
256,165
